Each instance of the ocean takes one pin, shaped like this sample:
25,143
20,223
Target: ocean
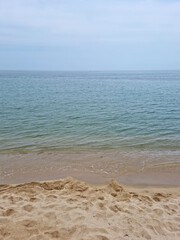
125,111
89,110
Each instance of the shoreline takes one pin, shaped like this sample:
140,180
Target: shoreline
94,167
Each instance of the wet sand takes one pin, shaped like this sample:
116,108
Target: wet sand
147,168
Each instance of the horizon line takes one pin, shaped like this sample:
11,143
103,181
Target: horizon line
122,70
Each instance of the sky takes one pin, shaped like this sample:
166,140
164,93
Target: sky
89,35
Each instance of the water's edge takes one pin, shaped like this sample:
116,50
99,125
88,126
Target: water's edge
145,168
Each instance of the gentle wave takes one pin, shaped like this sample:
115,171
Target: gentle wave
89,110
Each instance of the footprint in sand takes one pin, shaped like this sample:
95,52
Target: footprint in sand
5,196
9,212
28,208
33,199
51,216
101,206
29,223
158,211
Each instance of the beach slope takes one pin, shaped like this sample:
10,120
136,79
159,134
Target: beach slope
72,209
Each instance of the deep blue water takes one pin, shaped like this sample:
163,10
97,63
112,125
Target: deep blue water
89,110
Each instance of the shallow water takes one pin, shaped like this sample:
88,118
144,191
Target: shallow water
91,125
50,111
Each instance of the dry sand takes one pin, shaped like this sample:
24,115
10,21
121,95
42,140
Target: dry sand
72,209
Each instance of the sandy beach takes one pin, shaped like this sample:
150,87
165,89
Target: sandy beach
89,120
89,155
73,209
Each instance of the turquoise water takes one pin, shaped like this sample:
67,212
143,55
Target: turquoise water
42,111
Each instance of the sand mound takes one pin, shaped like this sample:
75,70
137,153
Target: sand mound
72,209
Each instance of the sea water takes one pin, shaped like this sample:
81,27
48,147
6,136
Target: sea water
125,110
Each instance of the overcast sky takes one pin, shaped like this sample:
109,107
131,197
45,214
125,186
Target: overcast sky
89,35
